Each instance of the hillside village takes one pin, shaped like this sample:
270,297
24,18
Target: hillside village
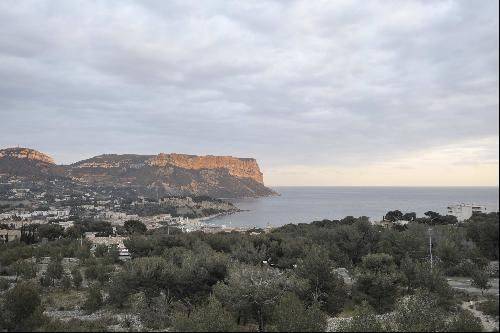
63,206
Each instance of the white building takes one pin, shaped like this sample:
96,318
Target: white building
464,211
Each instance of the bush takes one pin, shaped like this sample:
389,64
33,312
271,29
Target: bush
490,307
21,308
155,313
211,317
464,321
419,313
94,299
364,319
291,315
46,281
4,284
77,277
55,269
66,282
25,269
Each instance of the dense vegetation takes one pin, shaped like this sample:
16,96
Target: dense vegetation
288,279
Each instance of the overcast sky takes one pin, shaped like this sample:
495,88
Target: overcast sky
319,92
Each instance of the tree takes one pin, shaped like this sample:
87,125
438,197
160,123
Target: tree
50,231
480,280
21,309
482,229
419,275
119,289
94,299
66,282
139,246
100,250
378,281
211,317
55,269
156,313
432,215
393,215
135,227
255,290
77,277
291,315
113,254
326,287
410,217
4,284
246,252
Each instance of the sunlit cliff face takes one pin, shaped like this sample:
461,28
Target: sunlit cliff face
238,167
26,153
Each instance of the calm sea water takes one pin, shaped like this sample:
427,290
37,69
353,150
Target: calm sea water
306,204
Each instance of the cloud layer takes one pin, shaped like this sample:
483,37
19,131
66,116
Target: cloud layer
319,85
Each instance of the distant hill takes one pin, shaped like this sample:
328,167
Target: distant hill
165,174
25,162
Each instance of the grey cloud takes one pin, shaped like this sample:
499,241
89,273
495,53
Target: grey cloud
301,82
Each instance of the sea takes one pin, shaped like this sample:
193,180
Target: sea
307,204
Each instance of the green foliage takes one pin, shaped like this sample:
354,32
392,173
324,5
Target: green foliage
291,315
4,284
483,230
66,282
13,251
135,227
50,231
464,321
94,299
101,250
119,289
55,269
256,290
245,251
377,281
139,246
26,269
211,317
21,308
325,286
77,277
363,319
419,275
177,272
490,307
156,312
419,313
46,281
480,279
98,271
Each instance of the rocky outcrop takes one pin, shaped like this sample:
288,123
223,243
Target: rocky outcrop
237,167
26,153
164,174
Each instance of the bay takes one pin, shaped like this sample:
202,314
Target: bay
306,204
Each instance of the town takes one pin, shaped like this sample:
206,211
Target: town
98,213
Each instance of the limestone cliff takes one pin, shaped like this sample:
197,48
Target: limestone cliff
237,167
26,153
164,174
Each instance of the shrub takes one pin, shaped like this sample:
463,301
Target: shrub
94,299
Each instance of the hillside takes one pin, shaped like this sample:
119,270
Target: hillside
164,174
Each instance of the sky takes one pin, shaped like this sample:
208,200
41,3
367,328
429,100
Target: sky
319,92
